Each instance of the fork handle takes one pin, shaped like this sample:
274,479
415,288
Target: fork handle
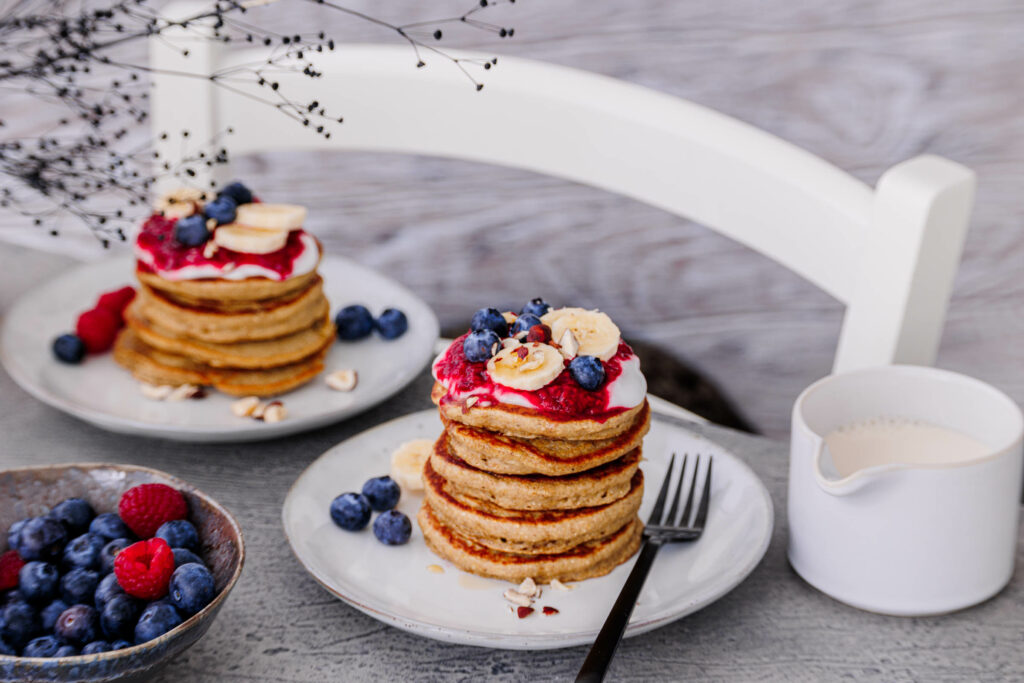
595,666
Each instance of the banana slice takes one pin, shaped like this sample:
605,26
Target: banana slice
526,367
594,331
249,240
180,203
407,463
275,217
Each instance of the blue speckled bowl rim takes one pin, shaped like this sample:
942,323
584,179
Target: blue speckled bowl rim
183,626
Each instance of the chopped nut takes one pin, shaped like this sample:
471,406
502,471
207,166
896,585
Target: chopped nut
509,317
528,587
435,569
505,343
274,412
180,393
555,583
157,393
245,407
228,267
516,598
567,345
211,223
210,249
531,365
471,401
343,380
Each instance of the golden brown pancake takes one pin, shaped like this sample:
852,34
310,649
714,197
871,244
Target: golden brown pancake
587,560
245,294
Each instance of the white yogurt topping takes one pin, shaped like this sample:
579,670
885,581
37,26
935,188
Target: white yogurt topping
304,263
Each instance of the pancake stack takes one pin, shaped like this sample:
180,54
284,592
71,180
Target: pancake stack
514,492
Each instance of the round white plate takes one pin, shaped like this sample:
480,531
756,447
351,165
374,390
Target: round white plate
101,392
393,584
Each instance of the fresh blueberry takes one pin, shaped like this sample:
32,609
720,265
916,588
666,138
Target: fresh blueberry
184,556
38,581
43,646
353,322
109,526
392,528
110,551
221,209
7,649
588,371
382,492
119,616
69,348
13,595
120,644
191,589
67,651
96,647
523,324
84,551
479,346
107,590
157,619
179,533
42,538
14,533
350,511
79,586
75,514
78,624
392,323
489,319
20,623
236,191
191,231
536,307
48,615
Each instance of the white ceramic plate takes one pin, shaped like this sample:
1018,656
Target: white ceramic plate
393,584
101,392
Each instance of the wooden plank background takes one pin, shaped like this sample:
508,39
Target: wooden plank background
863,83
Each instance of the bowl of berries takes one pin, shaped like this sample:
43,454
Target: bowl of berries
107,571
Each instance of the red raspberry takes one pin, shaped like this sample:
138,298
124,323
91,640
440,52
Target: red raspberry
144,508
144,569
116,301
98,328
10,564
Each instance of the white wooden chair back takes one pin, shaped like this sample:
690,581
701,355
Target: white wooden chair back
890,254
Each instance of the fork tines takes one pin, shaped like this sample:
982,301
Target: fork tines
682,526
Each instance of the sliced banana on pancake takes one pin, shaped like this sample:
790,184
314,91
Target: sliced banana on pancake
271,217
594,331
180,203
526,367
407,463
248,240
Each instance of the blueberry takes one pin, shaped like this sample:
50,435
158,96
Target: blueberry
353,322
75,514
69,348
14,533
38,581
191,231
489,319
237,191
84,551
184,556
382,492
392,323
191,589
350,511
536,307
107,590
20,623
120,644
48,615
110,551
392,528
109,526
157,619
179,533
79,586
119,616
7,649
67,651
588,371
523,324
96,647
13,595
42,538
78,624
479,346
43,646
221,209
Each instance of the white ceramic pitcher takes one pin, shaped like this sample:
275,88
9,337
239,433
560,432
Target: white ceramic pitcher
906,539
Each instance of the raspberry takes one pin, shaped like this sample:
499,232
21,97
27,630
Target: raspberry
98,328
10,564
144,569
144,508
116,301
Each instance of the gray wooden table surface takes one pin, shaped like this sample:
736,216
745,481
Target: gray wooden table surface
279,625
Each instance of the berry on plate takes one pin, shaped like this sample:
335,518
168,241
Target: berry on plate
96,647
120,644
353,322
489,319
392,323
156,620
382,493
69,348
191,231
79,586
523,324
537,307
38,581
109,553
19,623
480,345
109,526
145,507
222,209
392,528
84,551
179,533
192,588
78,625
75,514
144,569
107,590
118,616
10,564
97,329
48,615
588,371
351,511
14,533
43,646
67,651
184,556
237,191
42,538
117,300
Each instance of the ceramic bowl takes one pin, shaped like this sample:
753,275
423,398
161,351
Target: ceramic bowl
32,491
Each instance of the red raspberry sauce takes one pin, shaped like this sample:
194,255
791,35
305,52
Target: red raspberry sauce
157,238
562,399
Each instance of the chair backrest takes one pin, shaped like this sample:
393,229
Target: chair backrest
890,254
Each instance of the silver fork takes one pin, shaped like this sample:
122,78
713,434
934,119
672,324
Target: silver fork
657,533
